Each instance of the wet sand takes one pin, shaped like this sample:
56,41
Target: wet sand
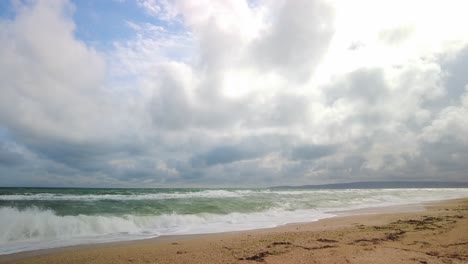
438,234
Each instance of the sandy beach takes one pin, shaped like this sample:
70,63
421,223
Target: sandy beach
438,234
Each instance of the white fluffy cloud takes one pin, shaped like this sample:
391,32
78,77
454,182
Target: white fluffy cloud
50,82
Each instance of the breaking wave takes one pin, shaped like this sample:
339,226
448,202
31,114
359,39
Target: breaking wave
35,218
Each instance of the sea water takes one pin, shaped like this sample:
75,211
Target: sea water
37,218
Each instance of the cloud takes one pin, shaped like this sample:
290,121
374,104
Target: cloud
54,103
395,36
296,38
311,152
367,85
232,93
9,156
455,79
161,9
222,155
450,123
44,71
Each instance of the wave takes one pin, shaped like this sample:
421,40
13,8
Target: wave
367,193
153,196
33,228
143,196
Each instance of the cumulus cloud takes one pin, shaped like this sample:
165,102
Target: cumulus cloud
43,71
54,103
233,93
295,39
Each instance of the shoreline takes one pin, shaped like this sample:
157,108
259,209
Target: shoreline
415,207
165,245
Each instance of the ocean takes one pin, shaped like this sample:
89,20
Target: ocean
38,218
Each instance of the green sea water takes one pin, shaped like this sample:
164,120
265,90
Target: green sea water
34,218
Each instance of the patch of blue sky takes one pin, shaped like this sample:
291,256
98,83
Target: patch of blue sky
101,23
6,10
96,21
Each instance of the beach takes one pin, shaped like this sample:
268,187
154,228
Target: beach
233,131
437,234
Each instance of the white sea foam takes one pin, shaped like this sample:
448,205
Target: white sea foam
146,196
34,228
393,194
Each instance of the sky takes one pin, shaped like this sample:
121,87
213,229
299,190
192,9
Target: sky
232,93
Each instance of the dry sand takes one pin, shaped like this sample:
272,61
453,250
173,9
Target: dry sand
437,235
